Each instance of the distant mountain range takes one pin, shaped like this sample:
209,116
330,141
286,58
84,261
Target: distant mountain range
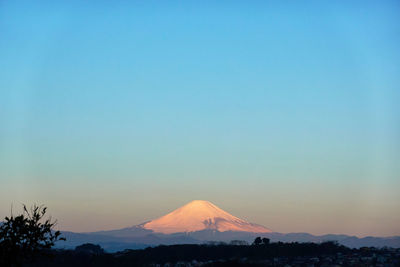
199,222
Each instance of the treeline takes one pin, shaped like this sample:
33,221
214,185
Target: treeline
175,253
94,256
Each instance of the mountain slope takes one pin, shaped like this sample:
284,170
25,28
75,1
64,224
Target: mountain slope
199,222
201,215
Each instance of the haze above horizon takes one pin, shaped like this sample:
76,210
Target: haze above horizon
288,116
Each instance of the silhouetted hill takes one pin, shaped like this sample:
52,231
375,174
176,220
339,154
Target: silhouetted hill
134,238
268,254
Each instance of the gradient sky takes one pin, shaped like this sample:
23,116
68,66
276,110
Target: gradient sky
286,115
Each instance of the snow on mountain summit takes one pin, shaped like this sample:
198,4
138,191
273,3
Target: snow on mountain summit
200,215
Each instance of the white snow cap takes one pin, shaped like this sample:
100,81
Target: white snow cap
199,215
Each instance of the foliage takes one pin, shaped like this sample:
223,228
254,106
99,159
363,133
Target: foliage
265,241
90,249
232,255
26,236
257,241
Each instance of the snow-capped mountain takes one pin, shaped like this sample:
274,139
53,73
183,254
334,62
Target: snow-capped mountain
200,215
200,221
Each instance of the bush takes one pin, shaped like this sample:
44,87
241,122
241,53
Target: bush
26,236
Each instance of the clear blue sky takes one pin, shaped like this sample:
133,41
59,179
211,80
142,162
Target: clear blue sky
284,114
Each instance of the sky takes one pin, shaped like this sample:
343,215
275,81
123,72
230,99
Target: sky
286,114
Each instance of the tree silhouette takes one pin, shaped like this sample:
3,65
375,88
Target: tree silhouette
265,241
26,236
90,248
257,241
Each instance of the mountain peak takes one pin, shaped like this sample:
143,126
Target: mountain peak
199,202
201,206
200,215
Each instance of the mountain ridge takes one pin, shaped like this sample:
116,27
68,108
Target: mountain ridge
114,240
200,221
200,215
